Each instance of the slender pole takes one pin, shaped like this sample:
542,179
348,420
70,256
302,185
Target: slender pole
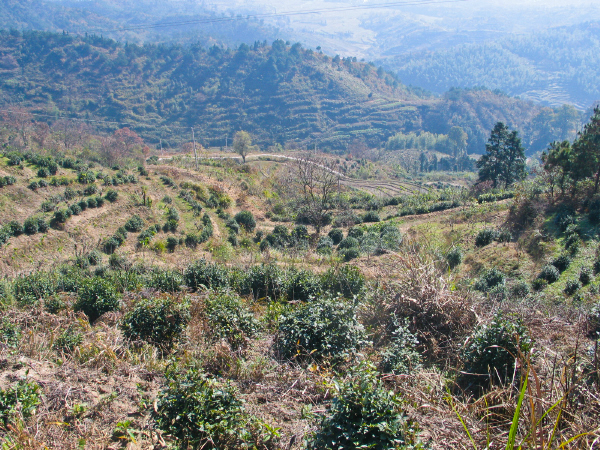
195,154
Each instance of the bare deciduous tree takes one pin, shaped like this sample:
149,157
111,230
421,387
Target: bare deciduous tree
313,184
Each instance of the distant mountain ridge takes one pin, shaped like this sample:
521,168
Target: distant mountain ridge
561,65
281,94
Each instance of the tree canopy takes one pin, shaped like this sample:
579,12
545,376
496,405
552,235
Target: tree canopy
504,158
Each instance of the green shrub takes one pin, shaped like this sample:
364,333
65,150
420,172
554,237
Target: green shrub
14,228
572,286
94,257
302,285
539,284
43,226
134,224
299,237
549,273
201,412
485,237
371,216
10,333
96,296
325,245
246,220
229,318
111,195
22,398
90,190
324,328
561,263
68,340
69,194
92,202
33,185
28,289
349,242
75,209
62,215
490,353
355,232
83,204
504,236
170,226
519,289
585,276
202,274
118,262
401,356
172,243
350,253
265,280
53,304
489,280
192,240
336,235
165,280
363,414
159,321
454,257
31,225
345,280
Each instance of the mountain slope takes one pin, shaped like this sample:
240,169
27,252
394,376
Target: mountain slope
281,94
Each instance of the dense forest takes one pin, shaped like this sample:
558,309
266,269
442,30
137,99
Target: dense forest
280,93
556,66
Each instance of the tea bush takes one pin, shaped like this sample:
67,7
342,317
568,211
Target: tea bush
485,237
401,356
165,280
572,286
159,321
134,224
336,235
68,340
454,257
323,328
246,220
345,280
265,280
561,263
22,398
229,318
585,276
28,289
363,414
201,412
490,279
10,333
549,273
95,297
111,195
202,274
302,285
490,353
325,245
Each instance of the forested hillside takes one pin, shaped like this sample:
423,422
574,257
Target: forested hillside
554,67
280,93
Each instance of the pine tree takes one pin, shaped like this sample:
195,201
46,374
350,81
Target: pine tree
504,160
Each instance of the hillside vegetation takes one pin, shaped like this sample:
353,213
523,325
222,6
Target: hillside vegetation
280,94
553,67
147,303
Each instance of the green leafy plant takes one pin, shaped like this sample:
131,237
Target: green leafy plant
68,340
490,280
549,273
22,398
454,257
485,237
363,414
159,321
95,297
246,220
227,317
401,357
491,351
10,333
322,328
134,224
201,412
202,274
346,280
